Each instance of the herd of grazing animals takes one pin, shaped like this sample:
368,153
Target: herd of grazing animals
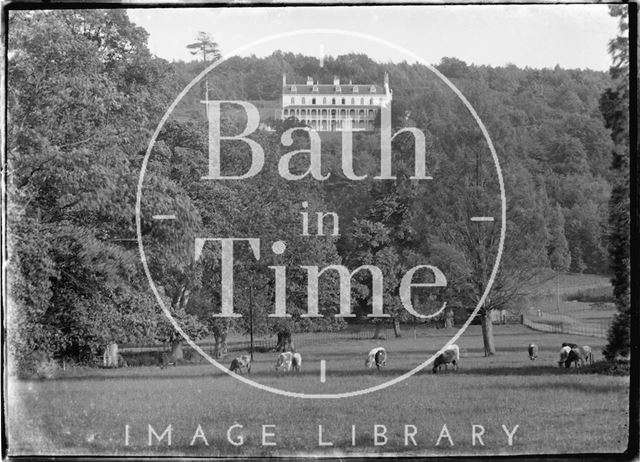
570,353
292,361
289,361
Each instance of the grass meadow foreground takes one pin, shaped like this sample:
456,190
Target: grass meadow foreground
556,410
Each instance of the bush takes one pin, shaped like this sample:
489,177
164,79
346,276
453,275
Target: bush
47,369
607,368
34,364
603,306
154,358
596,295
147,358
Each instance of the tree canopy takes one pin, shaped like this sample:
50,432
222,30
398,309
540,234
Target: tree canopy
85,94
76,81
614,105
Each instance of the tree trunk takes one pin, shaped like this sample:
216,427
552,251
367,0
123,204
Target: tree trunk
396,328
176,350
285,342
184,301
110,357
558,291
181,298
448,320
376,332
222,351
487,333
220,332
216,348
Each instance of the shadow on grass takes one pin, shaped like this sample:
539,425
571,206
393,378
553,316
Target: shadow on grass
388,372
430,349
584,386
531,370
473,367
215,374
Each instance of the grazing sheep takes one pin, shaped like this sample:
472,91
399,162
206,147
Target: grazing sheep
575,357
588,354
564,354
377,356
449,356
580,356
296,362
238,363
284,361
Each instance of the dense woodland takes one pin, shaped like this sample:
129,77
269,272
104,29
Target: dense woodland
85,94
547,121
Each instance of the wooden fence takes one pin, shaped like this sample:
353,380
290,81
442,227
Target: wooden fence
235,344
563,324
269,343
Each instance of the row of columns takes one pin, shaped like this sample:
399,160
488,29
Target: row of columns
333,122
343,113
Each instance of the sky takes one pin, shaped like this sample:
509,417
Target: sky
537,36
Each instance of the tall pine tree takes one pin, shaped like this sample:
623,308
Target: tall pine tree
614,105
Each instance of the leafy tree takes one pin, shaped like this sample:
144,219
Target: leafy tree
210,51
76,81
91,296
374,244
222,209
558,247
387,237
475,244
206,46
275,206
615,109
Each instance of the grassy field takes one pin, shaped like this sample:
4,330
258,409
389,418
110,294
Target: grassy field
191,109
556,410
546,283
582,297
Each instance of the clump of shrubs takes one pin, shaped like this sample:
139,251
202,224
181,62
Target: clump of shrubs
147,358
595,295
607,368
35,364
47,369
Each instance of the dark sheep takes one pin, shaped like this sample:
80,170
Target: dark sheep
449,356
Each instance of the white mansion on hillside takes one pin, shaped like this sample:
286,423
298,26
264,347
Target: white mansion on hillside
332,107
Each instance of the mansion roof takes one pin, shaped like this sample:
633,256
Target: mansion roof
329,89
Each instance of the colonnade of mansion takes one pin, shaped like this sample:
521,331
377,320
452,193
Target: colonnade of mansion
335,107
